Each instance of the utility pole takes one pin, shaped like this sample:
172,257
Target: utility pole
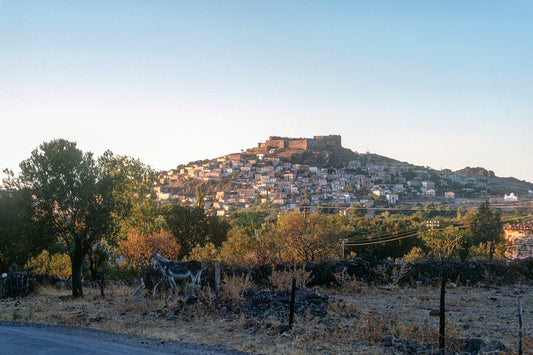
442,306
432,224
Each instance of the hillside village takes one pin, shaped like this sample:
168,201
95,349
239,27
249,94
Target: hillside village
312,173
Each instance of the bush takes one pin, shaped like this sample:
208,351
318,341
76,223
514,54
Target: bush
416,254
55,264
121,271
282,280
482,251
137,248
207,254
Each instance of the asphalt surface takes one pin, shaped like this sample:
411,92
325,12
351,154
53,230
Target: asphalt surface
24,338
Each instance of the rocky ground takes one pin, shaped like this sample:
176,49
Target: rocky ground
358,306
352,318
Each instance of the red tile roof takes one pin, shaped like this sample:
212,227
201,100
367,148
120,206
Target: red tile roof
527,226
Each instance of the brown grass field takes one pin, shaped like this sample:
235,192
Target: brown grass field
358,317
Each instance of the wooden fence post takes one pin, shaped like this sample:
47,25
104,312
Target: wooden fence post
521,327
291,309
442,314
217,280
102,283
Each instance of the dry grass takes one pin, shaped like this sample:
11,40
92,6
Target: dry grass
234,286
392,278
282,280
349,283
358,317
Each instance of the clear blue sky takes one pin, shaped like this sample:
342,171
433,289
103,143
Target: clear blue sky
445,84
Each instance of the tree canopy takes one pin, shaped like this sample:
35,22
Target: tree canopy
19,237
486,226
73,200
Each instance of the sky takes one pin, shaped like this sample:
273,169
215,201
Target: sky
444,84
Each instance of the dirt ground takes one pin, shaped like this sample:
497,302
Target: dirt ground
487,313
364,320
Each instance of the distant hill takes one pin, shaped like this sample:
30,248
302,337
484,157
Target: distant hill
236,171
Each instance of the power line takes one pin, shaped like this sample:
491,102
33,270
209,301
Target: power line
383,241
379,237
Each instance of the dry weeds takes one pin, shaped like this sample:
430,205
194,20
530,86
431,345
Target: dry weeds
356,322
282,280
234,286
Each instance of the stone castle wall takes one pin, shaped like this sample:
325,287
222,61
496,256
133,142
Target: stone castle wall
315,143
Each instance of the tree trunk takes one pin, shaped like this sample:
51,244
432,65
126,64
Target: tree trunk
77,261
94,257
492,249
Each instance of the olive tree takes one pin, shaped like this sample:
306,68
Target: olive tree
72,199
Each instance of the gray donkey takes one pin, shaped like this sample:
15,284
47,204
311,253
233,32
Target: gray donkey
177,270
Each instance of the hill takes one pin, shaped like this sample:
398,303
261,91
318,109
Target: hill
319,171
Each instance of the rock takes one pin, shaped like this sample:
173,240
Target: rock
434,313
493,345
387,340
472,346
192,299
60,284
282,328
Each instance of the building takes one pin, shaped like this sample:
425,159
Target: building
392,198
378,192
520,237
449,194
510,198
428,185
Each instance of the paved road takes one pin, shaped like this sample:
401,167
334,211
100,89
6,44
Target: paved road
23,338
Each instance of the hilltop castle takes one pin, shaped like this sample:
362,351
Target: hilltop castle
315,143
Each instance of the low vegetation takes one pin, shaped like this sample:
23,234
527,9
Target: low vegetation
352,318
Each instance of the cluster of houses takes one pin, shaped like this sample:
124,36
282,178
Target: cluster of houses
259,177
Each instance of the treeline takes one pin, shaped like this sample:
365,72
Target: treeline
70,213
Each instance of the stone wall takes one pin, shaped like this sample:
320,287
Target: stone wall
324,142
299,144
315,143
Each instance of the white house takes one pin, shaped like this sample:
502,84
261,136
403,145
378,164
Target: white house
510,198
449,194
392,198
428,185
